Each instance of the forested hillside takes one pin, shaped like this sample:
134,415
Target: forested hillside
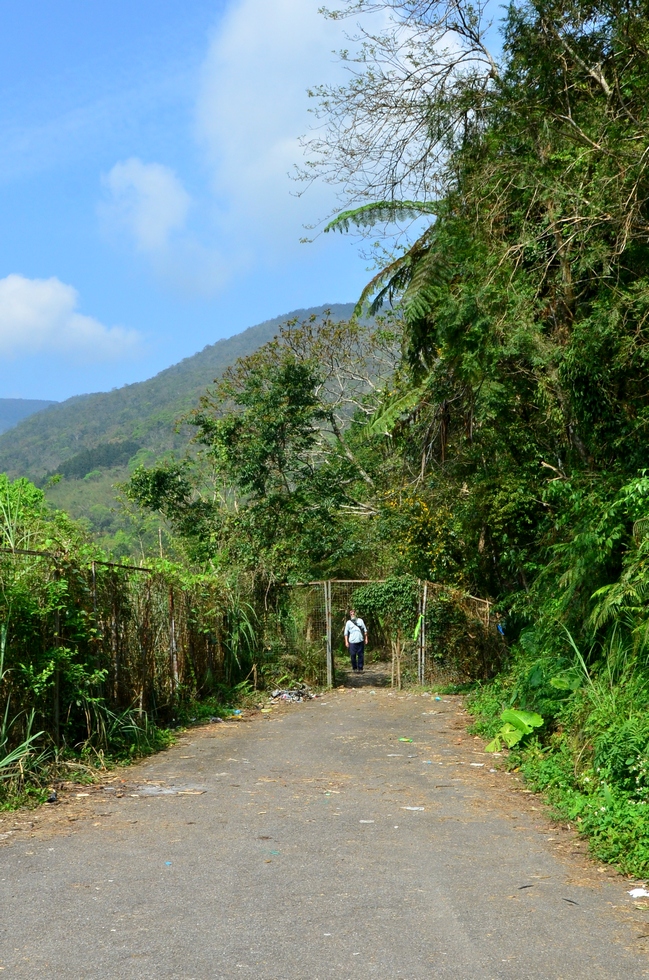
14,410
143,412
95,436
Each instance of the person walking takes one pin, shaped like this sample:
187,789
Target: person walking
355,640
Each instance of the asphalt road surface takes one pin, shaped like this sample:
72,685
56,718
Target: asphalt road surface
313,843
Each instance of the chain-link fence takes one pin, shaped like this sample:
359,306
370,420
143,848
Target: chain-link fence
74,633
438,631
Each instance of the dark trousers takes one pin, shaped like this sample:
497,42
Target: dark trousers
357,655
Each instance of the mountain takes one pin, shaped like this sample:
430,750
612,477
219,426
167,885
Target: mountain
14,410
93,441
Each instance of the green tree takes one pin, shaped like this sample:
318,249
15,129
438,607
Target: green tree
281,482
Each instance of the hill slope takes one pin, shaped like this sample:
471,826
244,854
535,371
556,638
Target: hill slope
143,413
14,410
94,440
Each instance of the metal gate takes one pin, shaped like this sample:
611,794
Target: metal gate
328,601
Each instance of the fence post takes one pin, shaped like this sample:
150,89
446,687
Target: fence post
114,640
172,644
422,637
56,693
330,659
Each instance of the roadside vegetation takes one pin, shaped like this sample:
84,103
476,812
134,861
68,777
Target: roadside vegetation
486,429
521,166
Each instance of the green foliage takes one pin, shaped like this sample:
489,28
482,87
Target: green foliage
96,660
104,455
517,724
145,414
393,604
379,212
591,758
280,483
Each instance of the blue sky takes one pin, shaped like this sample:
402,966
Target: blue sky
147,212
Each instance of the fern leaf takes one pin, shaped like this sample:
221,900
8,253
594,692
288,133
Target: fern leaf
379,212
395,277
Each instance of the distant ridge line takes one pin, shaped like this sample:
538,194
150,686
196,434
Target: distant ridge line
143,411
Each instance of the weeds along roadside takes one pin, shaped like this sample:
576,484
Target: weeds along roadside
589,757
100,662
32,769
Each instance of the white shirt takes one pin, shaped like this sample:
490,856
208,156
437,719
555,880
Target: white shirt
355,630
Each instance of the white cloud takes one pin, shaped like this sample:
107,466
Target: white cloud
253,107
148,200
40,315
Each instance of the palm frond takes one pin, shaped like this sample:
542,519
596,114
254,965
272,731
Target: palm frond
394,277
379,212
384,420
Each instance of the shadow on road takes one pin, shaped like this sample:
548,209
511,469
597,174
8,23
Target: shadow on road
374,675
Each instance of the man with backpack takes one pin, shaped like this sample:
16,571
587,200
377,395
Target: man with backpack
355,640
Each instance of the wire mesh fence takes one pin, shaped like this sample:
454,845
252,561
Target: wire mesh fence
76,632
446,631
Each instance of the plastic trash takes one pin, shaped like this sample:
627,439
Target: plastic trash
477,765
53,797
405,740
366,821
168,863
639,893
437,697
301,692
412,808
236,711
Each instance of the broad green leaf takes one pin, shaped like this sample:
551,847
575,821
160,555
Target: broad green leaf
511,736
568,681
494,746
524,721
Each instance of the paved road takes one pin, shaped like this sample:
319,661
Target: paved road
309,844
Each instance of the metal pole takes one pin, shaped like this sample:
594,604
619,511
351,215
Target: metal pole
419,626
422,637
56,692
173,650
330,659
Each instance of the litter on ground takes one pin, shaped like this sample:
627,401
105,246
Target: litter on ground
302,692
